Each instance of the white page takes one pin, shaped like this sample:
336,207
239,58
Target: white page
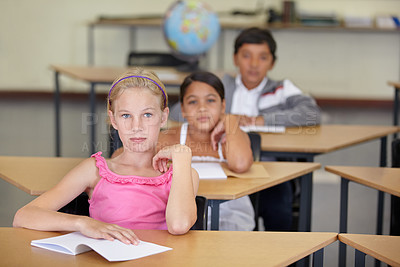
76,243
166,75
263,129
209,170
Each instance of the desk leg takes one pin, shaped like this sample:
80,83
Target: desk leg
306,189
318,258
396,109
91,45
92,103
214,204
383,162
57,112
383,156
379,217
305,203
344,194
379,223
359,260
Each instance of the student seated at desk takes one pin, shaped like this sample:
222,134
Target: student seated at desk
259,100
135,190
213,135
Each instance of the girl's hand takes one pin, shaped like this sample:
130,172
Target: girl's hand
160,160
217,134
97,229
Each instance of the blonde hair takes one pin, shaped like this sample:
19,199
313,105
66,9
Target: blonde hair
137,78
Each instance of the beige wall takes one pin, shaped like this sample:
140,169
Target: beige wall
37,33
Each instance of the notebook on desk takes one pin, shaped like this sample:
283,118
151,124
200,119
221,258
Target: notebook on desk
263,129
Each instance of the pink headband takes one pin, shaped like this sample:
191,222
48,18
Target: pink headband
138,76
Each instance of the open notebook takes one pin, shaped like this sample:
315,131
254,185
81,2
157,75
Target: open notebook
76,243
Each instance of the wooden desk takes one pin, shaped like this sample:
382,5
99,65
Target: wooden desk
40,174
383,248
219,191
383,179
307,142
100,75
196,248
396,86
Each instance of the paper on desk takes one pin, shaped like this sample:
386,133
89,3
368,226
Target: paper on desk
263,129
76,243
166,75
209,170
255,171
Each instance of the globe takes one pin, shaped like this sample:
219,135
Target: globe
190,28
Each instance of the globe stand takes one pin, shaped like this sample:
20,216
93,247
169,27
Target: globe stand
189,67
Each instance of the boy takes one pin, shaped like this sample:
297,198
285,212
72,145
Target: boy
258,99
261,101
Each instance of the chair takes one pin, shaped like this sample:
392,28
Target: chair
115,141
157,59
202,214
78,206
255,140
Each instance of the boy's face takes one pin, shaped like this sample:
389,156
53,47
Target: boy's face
253,61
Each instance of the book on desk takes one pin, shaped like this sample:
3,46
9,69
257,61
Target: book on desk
75,243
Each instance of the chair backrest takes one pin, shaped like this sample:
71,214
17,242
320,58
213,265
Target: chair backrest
78,206
255,140
154,59
202,214
115,141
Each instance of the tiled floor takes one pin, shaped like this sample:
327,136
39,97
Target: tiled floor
27,129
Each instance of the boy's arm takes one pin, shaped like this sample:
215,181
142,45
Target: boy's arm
298,110
292,107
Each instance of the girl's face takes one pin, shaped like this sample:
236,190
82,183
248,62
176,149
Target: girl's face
138,119
202,107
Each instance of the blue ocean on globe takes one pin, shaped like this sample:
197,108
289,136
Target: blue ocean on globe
191,28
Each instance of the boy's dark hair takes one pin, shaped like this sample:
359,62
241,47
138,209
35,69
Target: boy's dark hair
205,77
256,35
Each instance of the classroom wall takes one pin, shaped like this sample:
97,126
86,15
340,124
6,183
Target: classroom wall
341,64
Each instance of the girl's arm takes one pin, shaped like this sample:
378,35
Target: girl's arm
41,213
237,145
181,211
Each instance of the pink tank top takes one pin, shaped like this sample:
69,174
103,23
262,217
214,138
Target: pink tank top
132,202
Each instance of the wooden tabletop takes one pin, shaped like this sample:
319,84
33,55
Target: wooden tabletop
168,75
383,179
396,85
233,188
381,247
196,248
323,138
35,175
